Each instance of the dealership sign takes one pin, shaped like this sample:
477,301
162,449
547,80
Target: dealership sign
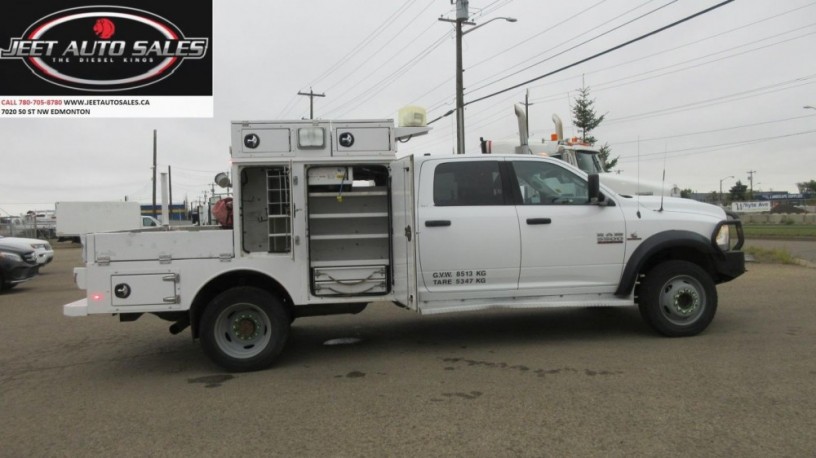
751,207
133,49
104,48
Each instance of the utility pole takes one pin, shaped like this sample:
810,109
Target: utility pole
461,20
751,180
311,94
154,174
461,16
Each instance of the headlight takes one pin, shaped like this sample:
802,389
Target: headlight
12,256
724,237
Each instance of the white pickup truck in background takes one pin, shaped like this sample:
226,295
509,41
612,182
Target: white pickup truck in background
581,155
327,219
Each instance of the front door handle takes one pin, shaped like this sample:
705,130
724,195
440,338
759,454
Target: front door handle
539,221
438,223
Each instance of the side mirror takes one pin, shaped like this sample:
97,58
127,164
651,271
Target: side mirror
594,183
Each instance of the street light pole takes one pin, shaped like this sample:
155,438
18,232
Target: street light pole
461,20
721,193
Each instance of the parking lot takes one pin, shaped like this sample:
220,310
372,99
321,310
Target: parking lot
512,383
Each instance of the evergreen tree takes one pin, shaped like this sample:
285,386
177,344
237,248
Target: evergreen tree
586,120
738,191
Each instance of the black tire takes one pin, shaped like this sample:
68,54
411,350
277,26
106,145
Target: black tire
244,329
677,298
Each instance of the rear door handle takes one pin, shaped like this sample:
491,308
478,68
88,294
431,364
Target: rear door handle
539,221
437,223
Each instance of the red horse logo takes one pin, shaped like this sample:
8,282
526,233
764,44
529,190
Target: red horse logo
104,28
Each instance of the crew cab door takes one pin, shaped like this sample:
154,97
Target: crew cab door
569,246
467,230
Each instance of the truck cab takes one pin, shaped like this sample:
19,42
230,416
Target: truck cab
327,219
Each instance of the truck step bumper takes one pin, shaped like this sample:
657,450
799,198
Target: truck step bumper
76,308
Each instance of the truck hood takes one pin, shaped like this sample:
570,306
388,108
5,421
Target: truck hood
679,205
632,186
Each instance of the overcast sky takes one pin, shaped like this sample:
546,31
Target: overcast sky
714,97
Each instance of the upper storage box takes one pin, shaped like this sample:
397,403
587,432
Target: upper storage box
312,138
359,139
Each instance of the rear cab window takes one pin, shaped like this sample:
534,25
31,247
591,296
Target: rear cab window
463,183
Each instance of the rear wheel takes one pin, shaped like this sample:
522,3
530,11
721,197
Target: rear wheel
244,329
678,298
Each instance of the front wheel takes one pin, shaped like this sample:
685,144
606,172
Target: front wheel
678,298
244,329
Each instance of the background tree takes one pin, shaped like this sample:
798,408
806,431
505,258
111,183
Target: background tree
686,193
737,192
807,186
586,120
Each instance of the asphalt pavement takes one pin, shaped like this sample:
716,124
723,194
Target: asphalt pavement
577,382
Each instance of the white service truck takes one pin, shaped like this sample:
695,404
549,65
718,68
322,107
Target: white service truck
75,219
584,156
327,219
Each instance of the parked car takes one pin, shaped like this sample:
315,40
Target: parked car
45,253
17,265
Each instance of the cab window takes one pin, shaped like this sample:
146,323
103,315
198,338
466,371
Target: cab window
543,183
468,183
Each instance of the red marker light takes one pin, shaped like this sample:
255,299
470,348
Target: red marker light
97,297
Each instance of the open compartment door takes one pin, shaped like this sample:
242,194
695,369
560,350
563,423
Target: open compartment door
404,232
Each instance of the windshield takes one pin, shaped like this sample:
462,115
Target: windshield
588,161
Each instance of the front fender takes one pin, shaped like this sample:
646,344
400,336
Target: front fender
656,244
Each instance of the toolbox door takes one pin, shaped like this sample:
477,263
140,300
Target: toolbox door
144,289
403,229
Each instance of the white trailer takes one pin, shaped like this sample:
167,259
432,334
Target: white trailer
75,219
327,220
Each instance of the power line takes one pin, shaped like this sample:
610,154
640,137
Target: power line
490,8
710,131
339,100
609,84
393,76
596,55
574,46
607,51
715,147
369,59
598,87
691,43
769,89
368,39
546,30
